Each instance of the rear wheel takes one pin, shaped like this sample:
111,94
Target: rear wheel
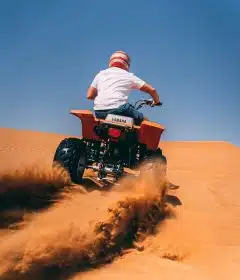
159,157
156,159
70,154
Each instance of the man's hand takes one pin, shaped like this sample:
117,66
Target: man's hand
156,104
152,91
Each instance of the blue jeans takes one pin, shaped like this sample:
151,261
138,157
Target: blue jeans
126,110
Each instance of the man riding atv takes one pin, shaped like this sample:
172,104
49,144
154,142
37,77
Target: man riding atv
111,87
112,145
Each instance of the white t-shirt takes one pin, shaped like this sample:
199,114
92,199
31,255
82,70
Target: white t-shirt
113,87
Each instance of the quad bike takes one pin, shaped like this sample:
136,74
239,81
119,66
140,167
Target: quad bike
109,146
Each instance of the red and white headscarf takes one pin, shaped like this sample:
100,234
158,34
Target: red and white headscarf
120,59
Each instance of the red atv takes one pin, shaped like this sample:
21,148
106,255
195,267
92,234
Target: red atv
110,146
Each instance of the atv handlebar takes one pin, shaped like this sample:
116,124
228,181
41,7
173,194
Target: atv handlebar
148,102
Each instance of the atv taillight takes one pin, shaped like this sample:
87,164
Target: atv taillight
114,132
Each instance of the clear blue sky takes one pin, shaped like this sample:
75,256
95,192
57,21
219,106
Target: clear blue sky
189,50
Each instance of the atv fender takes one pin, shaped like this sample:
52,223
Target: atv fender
149,133
88,123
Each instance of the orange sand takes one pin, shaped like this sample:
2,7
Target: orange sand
50,225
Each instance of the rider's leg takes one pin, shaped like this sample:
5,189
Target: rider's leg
129,111
125,110
101,114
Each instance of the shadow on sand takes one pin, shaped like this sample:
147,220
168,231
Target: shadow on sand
173,200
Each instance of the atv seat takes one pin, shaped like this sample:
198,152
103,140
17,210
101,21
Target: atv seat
111,118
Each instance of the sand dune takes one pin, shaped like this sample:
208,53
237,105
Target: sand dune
196,235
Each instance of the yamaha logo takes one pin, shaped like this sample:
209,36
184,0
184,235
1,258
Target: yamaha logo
119,120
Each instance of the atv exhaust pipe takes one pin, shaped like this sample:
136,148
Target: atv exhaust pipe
94,168
113,170
105,169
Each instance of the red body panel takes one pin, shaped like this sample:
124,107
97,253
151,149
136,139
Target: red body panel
149,133
88,123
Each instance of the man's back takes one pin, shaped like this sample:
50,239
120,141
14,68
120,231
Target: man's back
113,87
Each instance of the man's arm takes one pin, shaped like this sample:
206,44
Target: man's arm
91,93
92,90
152,91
